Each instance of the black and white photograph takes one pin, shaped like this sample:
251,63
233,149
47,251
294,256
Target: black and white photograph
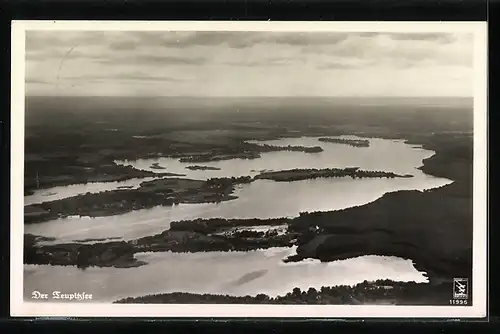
249,169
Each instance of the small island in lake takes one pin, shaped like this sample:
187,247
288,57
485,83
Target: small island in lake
198,167
156,165
350,142
305,149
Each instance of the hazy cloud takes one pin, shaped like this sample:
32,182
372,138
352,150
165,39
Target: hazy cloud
248,63
125,76
39,82
124,45
443,38
153,60
339,66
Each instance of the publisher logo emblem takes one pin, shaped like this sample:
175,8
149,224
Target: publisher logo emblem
460,288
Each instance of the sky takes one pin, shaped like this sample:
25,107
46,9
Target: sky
246,64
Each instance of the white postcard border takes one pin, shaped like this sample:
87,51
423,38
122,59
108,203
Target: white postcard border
19,307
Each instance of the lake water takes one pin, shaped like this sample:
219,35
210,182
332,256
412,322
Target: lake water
384,155
239,273
234,273
262,198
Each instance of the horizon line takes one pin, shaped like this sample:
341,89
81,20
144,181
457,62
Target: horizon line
257,96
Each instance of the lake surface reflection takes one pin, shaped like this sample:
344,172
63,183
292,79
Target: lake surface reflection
238,273
233,273
265,198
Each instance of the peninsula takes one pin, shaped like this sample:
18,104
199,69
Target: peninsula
159,192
